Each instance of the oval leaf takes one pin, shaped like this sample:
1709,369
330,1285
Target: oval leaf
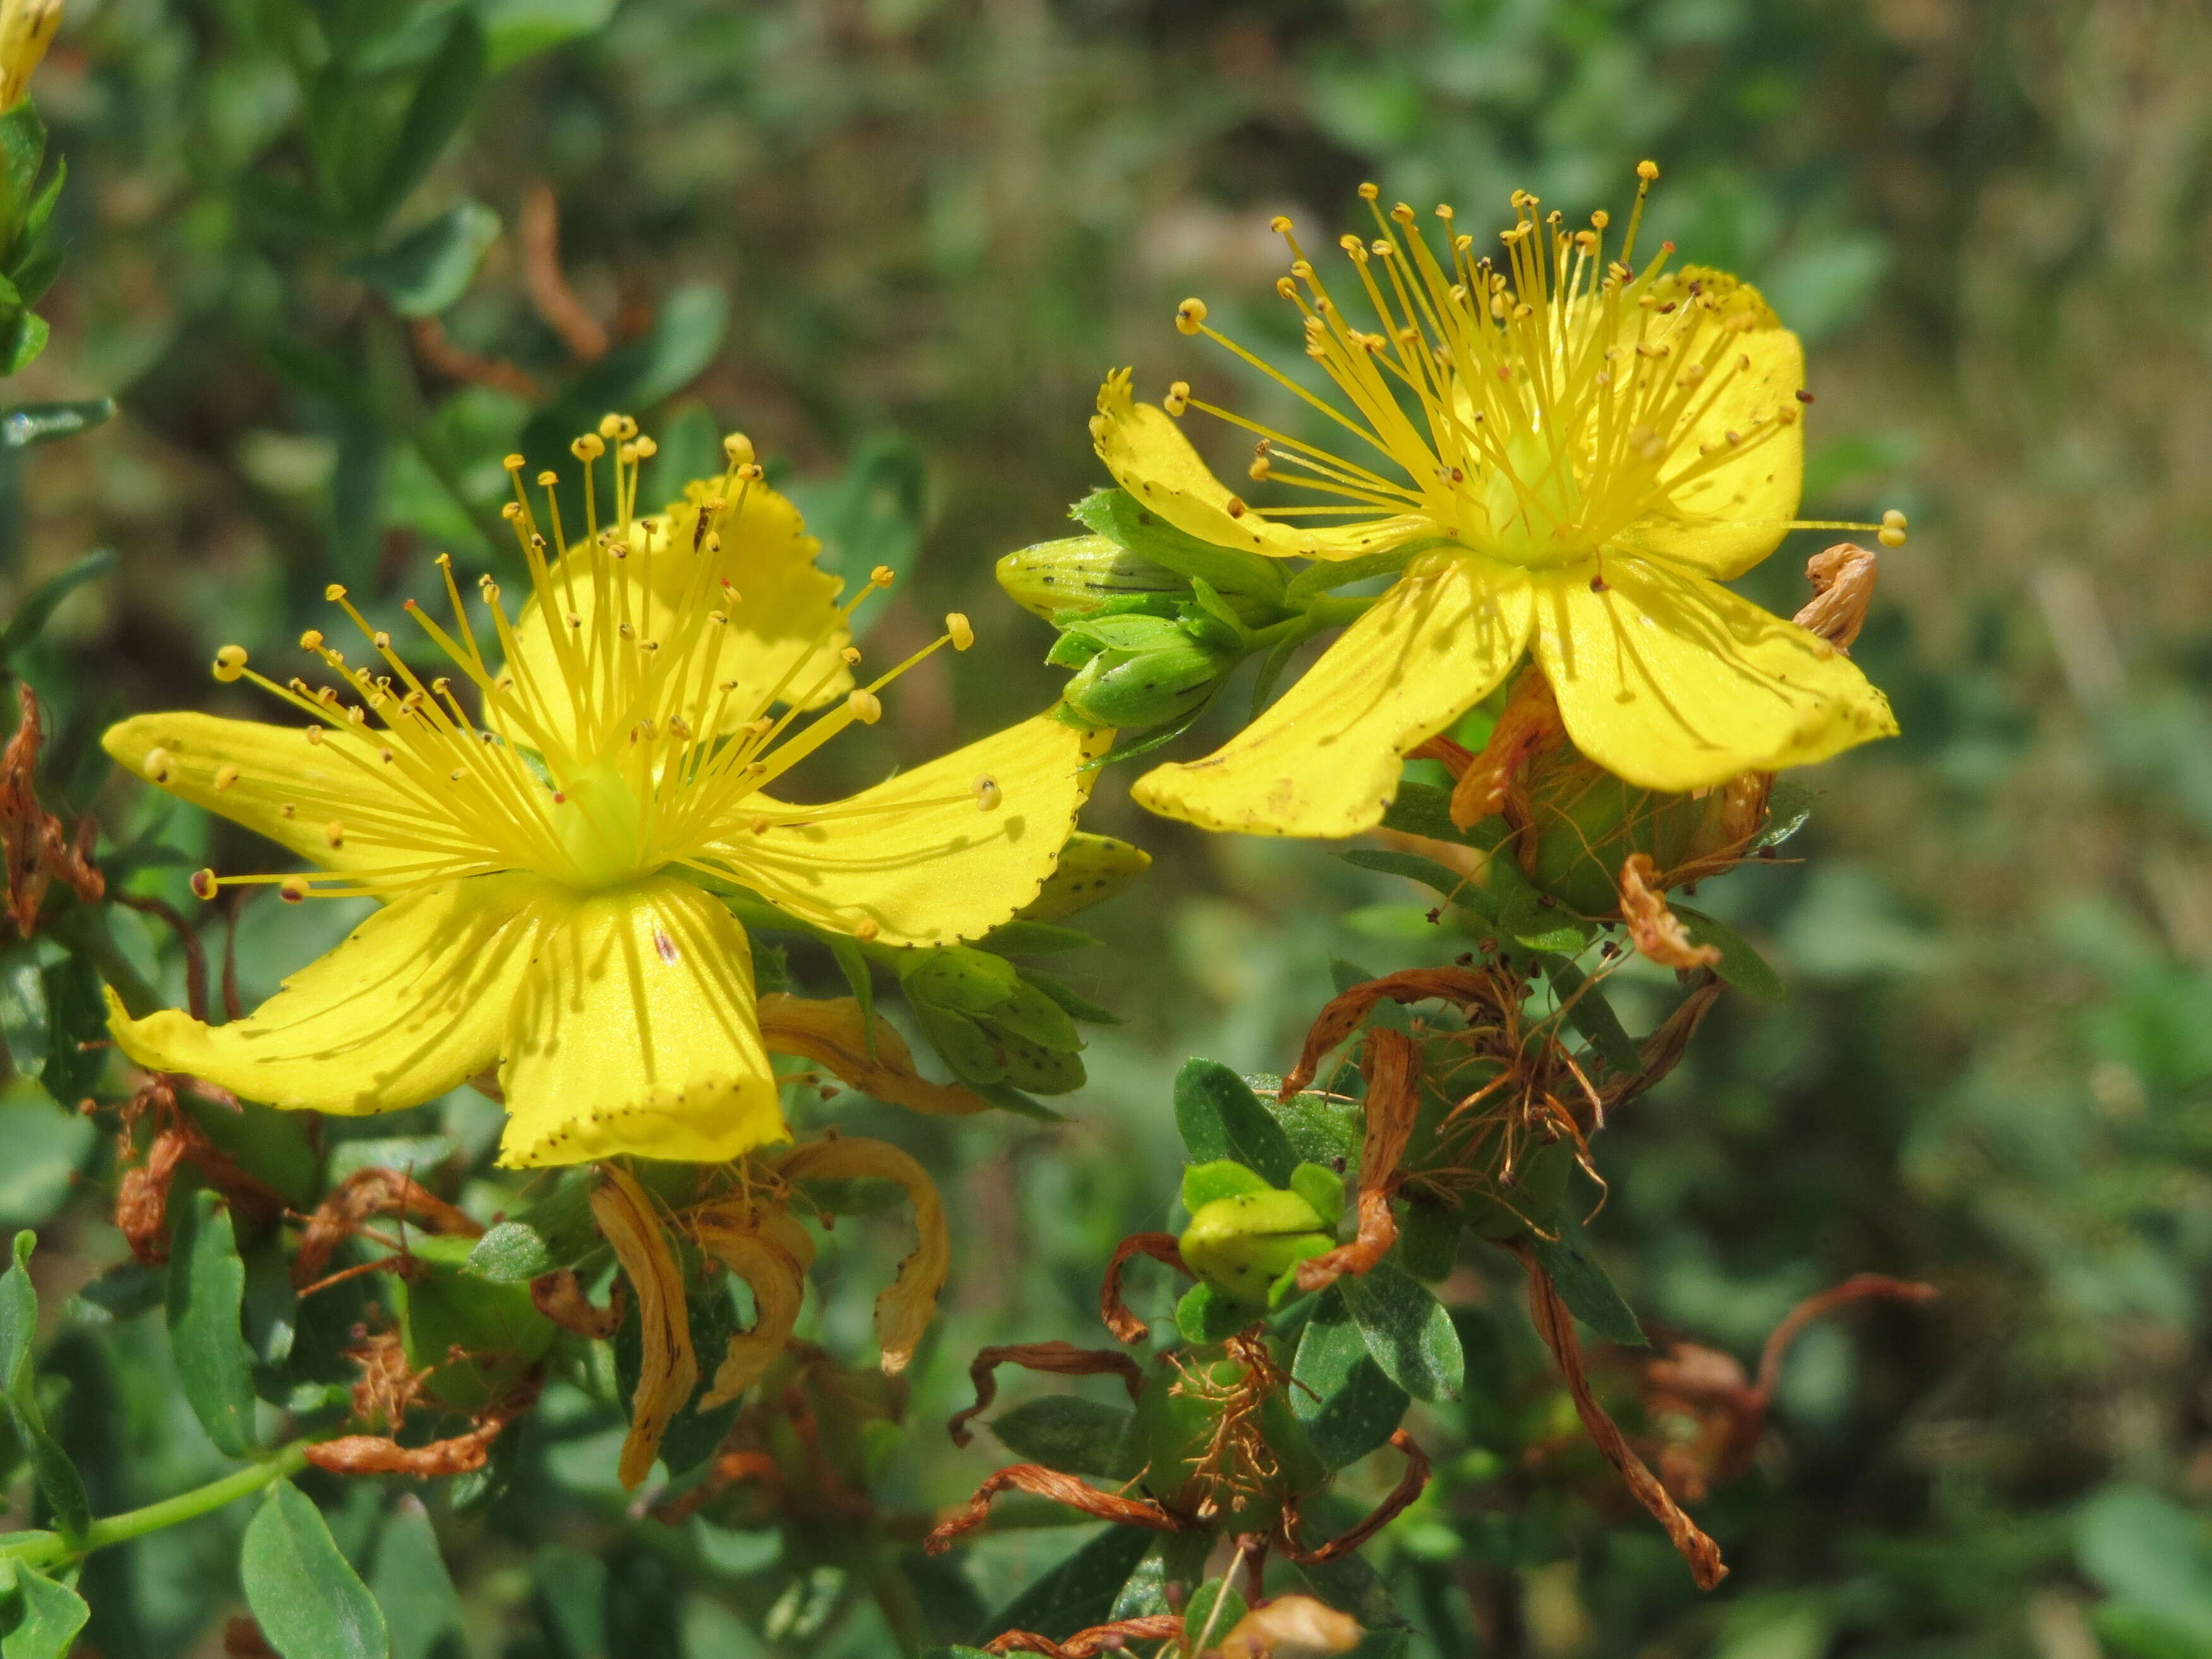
1408,1331
207,1293
1348,1406
308,1599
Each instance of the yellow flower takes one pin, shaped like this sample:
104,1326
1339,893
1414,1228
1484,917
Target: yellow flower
636,712
26,29
1562,455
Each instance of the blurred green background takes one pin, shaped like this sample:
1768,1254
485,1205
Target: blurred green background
899,241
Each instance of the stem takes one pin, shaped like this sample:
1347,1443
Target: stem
38,1547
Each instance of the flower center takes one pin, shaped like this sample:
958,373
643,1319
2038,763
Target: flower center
1533,404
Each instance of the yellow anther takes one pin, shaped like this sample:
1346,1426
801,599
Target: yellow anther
988,795
547,478
335,592
1237,507
738,448
293,890
334,833
962,631
1892,533
158,765
883,576
866,928
1647,171
287,811
1178,397
312,639
867,708
750,472
587,447
225,776
456,774
514,463
1281,224
315,736
1189,316
1370,192
203,885
511,511
627,453
229,663
646,449
1261,469
851,653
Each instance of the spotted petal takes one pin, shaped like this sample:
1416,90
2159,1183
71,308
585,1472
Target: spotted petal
1323,760
1674,683
1144,449
339,780
413,1003
636,1033
922,856
1730,508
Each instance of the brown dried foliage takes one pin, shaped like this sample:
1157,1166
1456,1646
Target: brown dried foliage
560,1297
1843,578
365,1195
1392,1065
1049,1484
460,1453
1162,1248
1401,1496
1088,1643
1530,722
1557,1327
39,851
142,1197
1655,930
1054,1358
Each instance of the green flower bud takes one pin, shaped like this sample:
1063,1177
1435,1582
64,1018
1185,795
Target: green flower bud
474,1336
1245,1244
1148,688
1080,573
1579,824
1090,870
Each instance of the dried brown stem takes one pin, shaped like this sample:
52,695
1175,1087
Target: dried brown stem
1410,1486
458,363
560,1297
729,1468
1161,1247
1041,1482
364,1195
1088,1643
195,962
1857,1288
556,301
1054,1358
1343,1014
1393,1067
1557,1327
31,839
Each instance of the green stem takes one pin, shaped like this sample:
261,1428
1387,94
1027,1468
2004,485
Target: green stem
38,1548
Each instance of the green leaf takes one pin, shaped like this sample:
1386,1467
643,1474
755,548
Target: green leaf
1523,914
26,338
19,1322
1588,1013
22,153
664,359
1079,1592
1352,1584
207,1292
431,267
1070,1434
44,599
434,113
853,962
1407,1331
873,513
51,1616
76,1031
59,1483
1585,1287
1347,1402
1070,1000
516,29
27,425
421,1609
1213,1611
1740,965
1216,1107
1789,809
1034,939
23,1017
1422,808
1207,1313
308,1599
961,979
1029,1013
1010,1099
1430,1234
509,1253
1448,882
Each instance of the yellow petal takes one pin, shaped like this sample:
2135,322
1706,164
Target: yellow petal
931,856
779,1286
276,766
668,1367
903,1311
1673,683
1144,449
835,1033
1323,760
782,628
635,1033
1728,517
413,1003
